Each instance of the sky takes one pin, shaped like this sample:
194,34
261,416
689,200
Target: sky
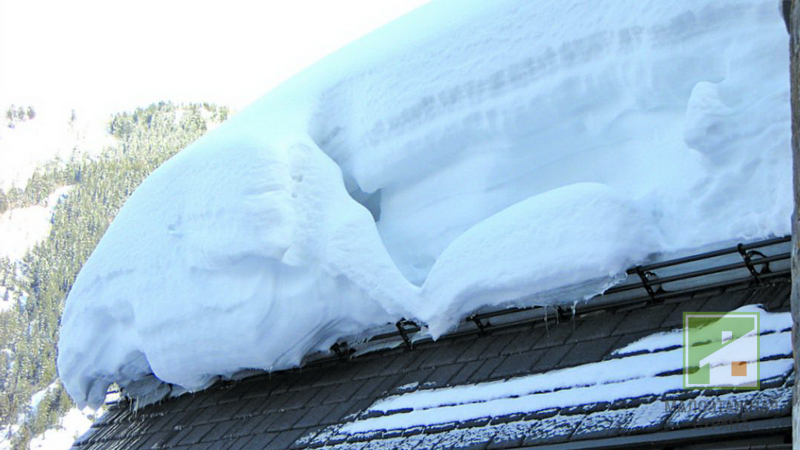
107,55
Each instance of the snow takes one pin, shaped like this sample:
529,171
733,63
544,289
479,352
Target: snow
768,323
37,397
75,423
22,228
33,142
469,155
61,436
605,381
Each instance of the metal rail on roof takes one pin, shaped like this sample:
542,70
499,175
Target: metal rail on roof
751,263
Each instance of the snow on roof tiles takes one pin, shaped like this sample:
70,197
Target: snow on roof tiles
313,407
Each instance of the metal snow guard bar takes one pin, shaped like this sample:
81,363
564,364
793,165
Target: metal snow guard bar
749,261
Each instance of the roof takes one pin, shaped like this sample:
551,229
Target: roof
386,399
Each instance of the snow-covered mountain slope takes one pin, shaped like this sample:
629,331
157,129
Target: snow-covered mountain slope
50,134
22,228
72,425
493,152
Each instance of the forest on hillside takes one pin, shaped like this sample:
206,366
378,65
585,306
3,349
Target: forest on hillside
38,285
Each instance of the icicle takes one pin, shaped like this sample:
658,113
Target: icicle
574,312
546,324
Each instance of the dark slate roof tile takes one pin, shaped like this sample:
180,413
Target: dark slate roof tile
273,402
318,415
626,339
284,420
343,392
498,343
178,437
633,402
237,390
219,430
211,397
417,376
221,445
241,443
246,426
465,372
588,351
525,340
356,407
775,402
208,415
200,446
778,300
369,387
517,364
309,436
681,394
542,414
442,375
551,357
397,362
249,407
596,327
441,427
586,408
262,386
317,437
301,398
553,430
475,423
643,320
649,417
773,382
370,368
603,424
184,402
555,335
726,302
447,353
156,440
196,434
477,349
263,440
185,419
725,409
425,352
484,372
387,385
429,442
477,439
413,431
675,318
226,411
511,434
686,412
508,418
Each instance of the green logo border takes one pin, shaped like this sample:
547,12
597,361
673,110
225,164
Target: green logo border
685,365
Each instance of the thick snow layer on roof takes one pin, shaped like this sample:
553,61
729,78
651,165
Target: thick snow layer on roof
470,154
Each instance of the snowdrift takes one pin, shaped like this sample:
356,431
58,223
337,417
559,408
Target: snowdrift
468,155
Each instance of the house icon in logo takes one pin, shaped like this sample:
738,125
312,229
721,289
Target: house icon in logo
721,350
